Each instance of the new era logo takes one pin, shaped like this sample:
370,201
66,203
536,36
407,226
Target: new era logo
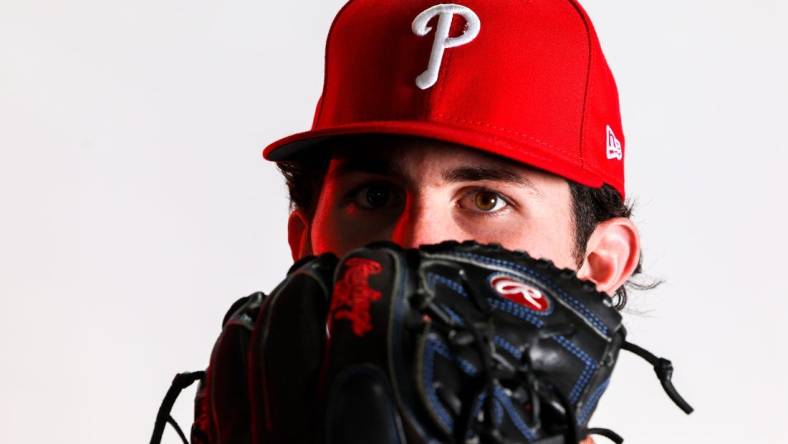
613,145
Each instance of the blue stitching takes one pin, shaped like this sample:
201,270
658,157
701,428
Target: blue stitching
516,419
434,346
428,376
508,346
516,311
592,401
433,278
452,314
587,371
465,366
572,301
527,315
498,412
504,305
477,405
504,402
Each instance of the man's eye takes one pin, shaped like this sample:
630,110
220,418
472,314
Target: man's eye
483,201
373,197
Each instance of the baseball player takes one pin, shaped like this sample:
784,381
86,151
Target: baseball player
495,122
492,121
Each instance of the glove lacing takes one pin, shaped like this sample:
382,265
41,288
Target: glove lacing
493,368
493,365
164,417
664,370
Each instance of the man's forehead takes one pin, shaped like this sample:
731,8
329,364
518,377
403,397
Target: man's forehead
389,151
397,156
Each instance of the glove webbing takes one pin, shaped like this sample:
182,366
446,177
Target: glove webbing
480,337
662,367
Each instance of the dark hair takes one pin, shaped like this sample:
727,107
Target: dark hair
590,206
304,179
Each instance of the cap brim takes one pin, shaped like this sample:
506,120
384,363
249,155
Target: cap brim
544,158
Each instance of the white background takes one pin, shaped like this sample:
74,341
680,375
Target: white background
135,205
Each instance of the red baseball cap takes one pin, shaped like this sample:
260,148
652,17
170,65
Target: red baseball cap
522,79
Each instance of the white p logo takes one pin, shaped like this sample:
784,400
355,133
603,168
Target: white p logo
442,40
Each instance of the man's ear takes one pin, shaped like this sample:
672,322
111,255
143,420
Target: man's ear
299,235
612,254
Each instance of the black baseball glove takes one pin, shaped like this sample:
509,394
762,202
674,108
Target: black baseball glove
447,343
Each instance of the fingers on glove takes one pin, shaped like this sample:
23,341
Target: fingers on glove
286,352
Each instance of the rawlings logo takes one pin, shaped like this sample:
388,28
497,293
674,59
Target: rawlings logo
352,298
520,293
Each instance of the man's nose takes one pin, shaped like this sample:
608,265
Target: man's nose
422,223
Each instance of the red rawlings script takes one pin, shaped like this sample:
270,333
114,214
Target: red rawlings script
352,297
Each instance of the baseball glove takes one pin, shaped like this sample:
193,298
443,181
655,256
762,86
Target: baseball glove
447,343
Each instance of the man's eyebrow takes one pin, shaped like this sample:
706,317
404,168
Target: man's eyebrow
479,173
386,167
372,166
